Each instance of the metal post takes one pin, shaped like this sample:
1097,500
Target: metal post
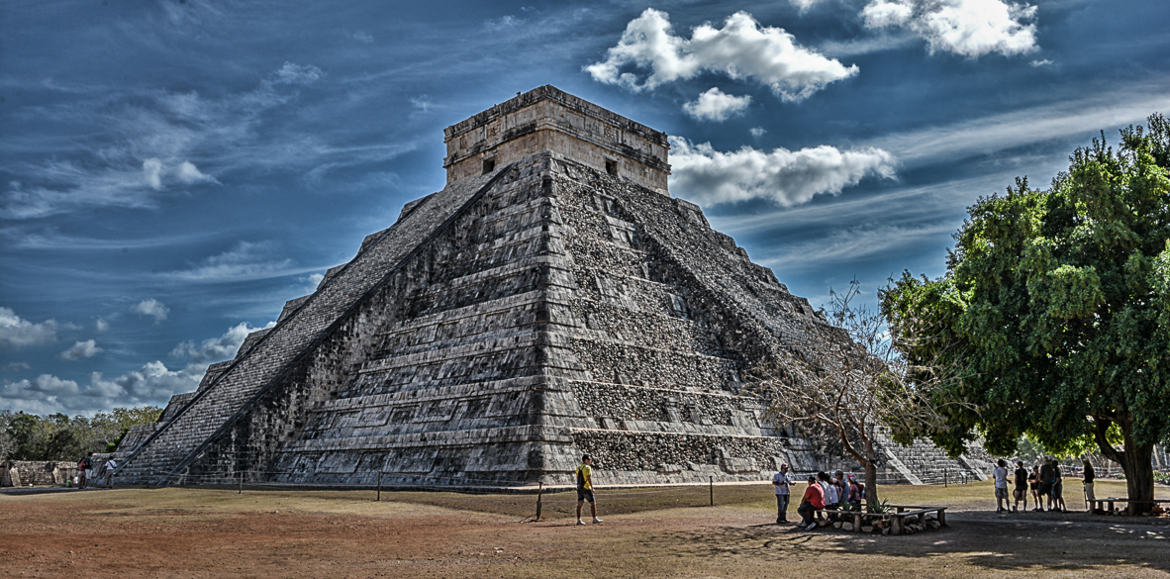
539,498
711,490
379,499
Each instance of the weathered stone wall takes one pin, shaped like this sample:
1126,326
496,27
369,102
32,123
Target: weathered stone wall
546,119
36,472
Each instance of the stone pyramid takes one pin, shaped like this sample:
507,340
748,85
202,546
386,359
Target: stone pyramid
551,300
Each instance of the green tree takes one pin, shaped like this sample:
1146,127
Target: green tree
1055,311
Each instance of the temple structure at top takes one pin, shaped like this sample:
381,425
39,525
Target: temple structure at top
547,119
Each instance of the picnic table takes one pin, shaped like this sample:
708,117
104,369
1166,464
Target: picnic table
1099,504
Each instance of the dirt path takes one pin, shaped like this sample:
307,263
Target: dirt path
198,533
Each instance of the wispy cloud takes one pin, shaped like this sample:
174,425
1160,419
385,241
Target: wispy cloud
742,49
18,332
153,308
709,177
1081,117
246,260
853,244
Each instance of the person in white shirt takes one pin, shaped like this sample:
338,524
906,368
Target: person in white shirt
781,483
1000,475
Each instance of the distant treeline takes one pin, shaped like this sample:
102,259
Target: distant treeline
59,437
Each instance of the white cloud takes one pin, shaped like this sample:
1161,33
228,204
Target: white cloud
15,367
757,132
153,383
245,261
153,171
302,74
853,244
81,349
1040,62
153,308
17,332
716,105
101,325
970,28
222,347
803,5
710,177
741,49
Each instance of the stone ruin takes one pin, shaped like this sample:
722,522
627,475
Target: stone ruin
552,300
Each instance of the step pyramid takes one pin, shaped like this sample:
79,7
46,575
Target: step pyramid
552,300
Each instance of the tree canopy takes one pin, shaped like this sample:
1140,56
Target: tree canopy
59,437
1054,311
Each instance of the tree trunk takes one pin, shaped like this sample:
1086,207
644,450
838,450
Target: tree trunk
1135,460
871,485
1139,476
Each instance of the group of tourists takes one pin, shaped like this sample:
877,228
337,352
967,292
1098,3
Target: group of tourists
837,492
1045,481
86,476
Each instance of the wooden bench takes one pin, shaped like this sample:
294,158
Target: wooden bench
1099,504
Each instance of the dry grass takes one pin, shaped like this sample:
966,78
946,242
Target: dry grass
648,532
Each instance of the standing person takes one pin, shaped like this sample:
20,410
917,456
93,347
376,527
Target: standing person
89,467
111,466
1001,487
814,499
84,468
585,489
1047,477
1057,500
1021,491
781,483
1090,476
1034,484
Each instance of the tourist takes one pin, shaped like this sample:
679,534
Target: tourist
855,493
842,490
1034,484
1046,479
1021,491
110,466
781,482
1090,476
1001,487
828,490
585,489
84,470
1057,501
813,500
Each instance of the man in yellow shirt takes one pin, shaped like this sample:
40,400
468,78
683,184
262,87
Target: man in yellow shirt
585,489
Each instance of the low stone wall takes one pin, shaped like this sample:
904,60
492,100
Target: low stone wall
33,472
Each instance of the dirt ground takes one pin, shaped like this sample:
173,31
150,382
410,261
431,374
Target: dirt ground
665,532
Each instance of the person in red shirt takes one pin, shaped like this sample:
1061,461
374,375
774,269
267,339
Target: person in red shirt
814,499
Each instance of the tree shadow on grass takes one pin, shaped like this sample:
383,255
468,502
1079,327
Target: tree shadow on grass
992,545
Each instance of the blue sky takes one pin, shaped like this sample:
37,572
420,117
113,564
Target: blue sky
172,172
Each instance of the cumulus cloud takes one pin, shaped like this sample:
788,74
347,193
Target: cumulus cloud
153,308
221,347
757,132
710,177
742,49
81,349
153,383
18,332
970,28
101,325
716,105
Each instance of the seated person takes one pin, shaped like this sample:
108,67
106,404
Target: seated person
814,499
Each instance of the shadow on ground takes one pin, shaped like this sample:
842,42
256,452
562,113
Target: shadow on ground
992,545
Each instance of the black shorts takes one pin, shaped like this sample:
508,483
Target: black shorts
584,495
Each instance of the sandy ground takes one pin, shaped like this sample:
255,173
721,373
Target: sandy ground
646,533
